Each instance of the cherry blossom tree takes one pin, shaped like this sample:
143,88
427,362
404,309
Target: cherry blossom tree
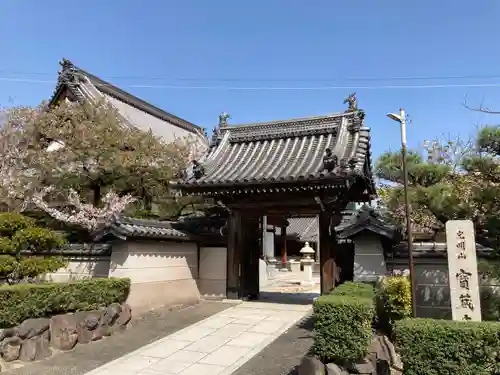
80,163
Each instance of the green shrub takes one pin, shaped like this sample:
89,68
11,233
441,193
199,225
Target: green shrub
342,327
37,239
23,301
394,302
18,233
438,347
343,323
490,304
10,223
362,290
7,246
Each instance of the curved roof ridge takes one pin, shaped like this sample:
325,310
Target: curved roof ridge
70,71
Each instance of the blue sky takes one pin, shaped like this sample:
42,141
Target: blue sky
267,43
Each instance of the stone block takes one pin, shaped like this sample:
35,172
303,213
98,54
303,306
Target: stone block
333,369
10,348
33,327
35,348
64,331
311,366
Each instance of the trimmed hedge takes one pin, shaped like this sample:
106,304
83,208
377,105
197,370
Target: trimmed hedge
343,324
23,301
352,289
437,347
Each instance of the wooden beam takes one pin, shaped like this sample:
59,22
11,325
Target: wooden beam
233,285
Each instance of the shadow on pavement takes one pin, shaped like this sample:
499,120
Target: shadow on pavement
288,298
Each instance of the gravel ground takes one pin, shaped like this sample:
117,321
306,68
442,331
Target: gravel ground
142,331
284,354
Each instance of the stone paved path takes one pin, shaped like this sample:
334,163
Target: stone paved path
218,345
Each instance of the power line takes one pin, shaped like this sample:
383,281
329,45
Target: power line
267,79
275,88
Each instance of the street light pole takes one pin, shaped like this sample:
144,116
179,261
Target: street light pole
401,118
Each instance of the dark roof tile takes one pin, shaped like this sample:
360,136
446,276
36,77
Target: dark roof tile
286,151
129,227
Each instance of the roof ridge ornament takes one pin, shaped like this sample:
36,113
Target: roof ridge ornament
198,170
330,160
223,117
352,102
352,106
67,72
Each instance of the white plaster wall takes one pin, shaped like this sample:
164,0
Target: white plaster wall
162,273
369,261
145,121
269,244
80,269
213,272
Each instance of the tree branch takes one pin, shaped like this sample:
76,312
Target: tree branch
481,108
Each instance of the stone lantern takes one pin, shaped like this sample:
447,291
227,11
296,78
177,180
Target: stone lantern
307,263
307,251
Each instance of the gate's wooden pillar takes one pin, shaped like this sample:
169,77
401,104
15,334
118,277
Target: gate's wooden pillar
250,255
328,220
233,282
325,246
283,246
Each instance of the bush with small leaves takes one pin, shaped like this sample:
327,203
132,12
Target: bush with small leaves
10,223
354,289
343,323
8,265
37,239
18,239
25,301
436,347
7,246
393,302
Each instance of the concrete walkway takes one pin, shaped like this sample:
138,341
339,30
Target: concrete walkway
218,345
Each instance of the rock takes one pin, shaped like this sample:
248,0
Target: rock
35,349
111,314
311,366
89,319
10,348
87,323
365,366
33,327
333,369
84,335
397,364
100,332
7,332
64,331
383,367
125,315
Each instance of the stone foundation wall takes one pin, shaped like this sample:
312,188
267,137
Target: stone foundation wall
39,338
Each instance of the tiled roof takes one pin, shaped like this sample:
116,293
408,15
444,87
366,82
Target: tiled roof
85,85
434,250
304,228
288,151
80,249
367,219
129,227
